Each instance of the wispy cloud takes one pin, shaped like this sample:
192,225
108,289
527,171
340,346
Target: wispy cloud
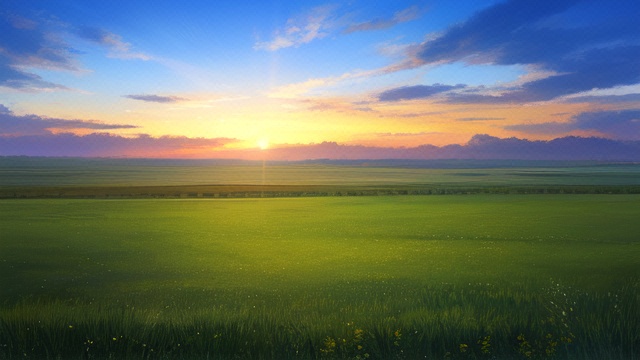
295,90
21,125
28,44
155,98
25,44
606,99
301,30
322,21
408,14
113,42
416,92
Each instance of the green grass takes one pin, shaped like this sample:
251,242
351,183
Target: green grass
403,277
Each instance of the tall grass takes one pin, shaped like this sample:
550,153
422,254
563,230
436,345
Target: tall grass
473,321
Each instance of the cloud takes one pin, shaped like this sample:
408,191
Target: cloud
109,145
416,92
546,36
117,47
15,125
622,124
301,30
155,98
606,99
32,135
321,21
26,44
295,90
546,128
479,147
405,15
480,118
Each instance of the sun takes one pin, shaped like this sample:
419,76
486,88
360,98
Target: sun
263,144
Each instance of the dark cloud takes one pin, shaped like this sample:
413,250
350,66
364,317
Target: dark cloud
416,92
26,44
485,34
105,145
623,124
14,125
549,35
405,15
155,98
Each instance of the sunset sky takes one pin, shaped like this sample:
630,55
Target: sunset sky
230,79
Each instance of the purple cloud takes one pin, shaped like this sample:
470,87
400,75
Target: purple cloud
14,125
479,147
106,145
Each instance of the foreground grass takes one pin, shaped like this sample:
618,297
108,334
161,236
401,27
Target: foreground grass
474,321
382,277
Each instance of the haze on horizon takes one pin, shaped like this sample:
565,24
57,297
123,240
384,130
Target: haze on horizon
317,79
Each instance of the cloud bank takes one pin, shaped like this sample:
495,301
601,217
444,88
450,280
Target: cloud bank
32,135
109,145
479,147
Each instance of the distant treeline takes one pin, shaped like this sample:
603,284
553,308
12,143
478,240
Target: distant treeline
256,191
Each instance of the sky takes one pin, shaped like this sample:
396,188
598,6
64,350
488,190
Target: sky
291,79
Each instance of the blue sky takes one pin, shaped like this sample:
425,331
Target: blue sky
390,74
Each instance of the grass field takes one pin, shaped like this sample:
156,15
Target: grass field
474,276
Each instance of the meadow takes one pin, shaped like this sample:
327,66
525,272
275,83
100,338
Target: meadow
379,277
